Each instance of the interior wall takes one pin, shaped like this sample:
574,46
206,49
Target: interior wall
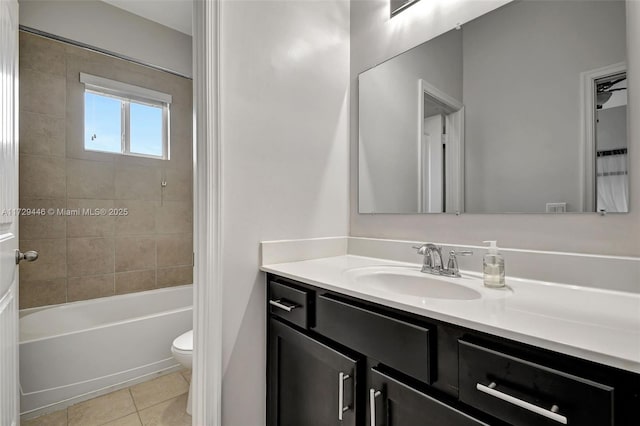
284,131
389,109
85,257
517,65
107,27
375,38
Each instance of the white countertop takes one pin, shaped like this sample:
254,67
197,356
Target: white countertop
598,325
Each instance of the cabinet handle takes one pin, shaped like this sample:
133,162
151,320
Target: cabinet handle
341,407
550,414
373,394
279,304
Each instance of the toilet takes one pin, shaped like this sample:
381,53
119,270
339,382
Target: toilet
182,351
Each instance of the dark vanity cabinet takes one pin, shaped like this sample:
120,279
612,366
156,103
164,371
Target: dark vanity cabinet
310,383
337,360
394,402
524,393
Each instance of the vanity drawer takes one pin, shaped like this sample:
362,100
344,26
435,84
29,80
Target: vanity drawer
290,303
524,393
397,344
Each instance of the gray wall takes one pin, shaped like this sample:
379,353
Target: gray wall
522,66
96,256
284,94
389,133
375,38
107,27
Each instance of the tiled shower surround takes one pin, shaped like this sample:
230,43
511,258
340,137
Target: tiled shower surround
85,257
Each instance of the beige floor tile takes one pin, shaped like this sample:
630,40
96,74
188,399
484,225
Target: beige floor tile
157,390
168,413
103,409
58,418
187,375
130,420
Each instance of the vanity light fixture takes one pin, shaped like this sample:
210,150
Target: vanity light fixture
397,6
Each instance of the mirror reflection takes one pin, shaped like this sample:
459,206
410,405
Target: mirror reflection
522,110
612,178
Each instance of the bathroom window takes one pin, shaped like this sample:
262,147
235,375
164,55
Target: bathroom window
124,119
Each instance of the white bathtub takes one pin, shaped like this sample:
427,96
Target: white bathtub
78,350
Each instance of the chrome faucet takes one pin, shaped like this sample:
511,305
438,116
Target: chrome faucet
452,266
433,264
426,260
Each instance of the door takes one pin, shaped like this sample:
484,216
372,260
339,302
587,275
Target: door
9,407
612,163
393,403
431,166
309,383
454,162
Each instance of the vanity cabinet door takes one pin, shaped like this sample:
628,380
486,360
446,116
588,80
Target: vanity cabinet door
309,383
393,403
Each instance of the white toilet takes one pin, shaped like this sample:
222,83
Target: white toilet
182,350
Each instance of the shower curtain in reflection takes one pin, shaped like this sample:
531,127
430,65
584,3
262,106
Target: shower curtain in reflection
612,183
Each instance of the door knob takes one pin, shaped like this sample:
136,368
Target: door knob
29,256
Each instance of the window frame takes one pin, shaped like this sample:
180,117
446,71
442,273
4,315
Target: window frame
126,94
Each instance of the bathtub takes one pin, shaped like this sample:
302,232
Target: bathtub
78,350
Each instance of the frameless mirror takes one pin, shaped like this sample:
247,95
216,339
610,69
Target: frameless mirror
522,110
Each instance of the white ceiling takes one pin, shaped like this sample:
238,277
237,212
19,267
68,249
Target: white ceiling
174,14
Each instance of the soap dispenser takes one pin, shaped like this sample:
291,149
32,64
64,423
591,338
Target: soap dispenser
493,267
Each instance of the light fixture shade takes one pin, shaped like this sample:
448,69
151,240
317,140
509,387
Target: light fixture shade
397,6
602,98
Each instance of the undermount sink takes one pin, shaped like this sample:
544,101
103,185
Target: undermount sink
410,282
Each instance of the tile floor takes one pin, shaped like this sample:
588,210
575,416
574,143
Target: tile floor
158,402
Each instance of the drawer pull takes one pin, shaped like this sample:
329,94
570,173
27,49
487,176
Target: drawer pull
550,414
286,306
373,394
341,408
